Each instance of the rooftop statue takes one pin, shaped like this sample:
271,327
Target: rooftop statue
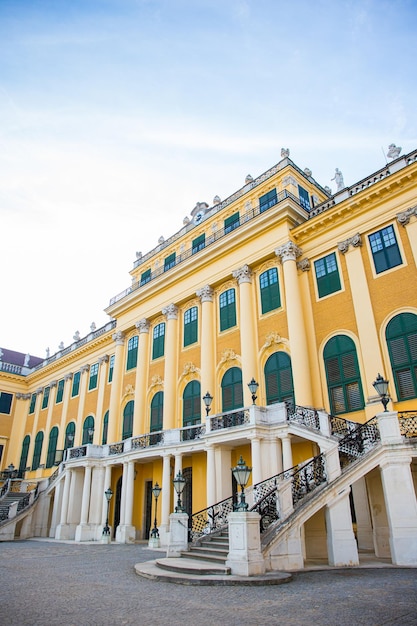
393,151
338,178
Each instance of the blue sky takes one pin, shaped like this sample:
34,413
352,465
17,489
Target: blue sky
117,116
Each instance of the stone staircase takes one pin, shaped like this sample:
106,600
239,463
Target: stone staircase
9,498
213,549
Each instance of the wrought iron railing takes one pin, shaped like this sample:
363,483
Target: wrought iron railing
302,415
408,423
358,442
116,448
148,440
341,427
192,432
308,477
5,487
210,519
76,453
228,420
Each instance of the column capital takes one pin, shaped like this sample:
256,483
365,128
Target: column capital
53,384
68,376
205,294
23,396
288,252
103,359
170,312
404,217
243,274
355,242
143,325
119,338
85,368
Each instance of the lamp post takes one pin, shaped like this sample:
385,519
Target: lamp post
208,399
253,387
106,530
179,484
242,473
156,490
70,439
381,387
90,434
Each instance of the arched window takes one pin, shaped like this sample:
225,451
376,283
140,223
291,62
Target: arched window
132,352
24,455
128,420
232,390
157,411
88,430
278,379
105,428
53,440
401,336
37,451
191,412
69,435
343,377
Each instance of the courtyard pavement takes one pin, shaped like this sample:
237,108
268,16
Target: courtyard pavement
48,583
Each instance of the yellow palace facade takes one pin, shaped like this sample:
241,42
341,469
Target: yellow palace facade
310,294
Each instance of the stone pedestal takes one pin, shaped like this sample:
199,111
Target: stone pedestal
178,534
125,534
154,542
105,538
341,544
85,532
245,557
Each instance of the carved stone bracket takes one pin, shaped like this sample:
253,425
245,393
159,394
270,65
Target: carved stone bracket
156,381
288,252
355,242
143,325
243,274
404,217
170,312
303,265
205,294
228,355
272,338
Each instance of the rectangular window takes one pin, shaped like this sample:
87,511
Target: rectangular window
145,277
267,200
385,250
32,403
132,352
158,341
190,326
60,391
169,262
111,368
198,243
75,384
92,384
227,309
45,398
270,296
230,223
327,275
6,402
304,198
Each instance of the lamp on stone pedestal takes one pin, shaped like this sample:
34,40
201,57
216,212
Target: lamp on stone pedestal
381,387
106,530
156,490
242,474
179,484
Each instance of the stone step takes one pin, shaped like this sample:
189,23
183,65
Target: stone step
205,556
190,566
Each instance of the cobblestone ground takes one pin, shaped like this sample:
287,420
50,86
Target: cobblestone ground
48,583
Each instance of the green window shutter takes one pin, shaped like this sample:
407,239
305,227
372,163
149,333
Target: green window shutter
401,336
232,390
128,420
32,403
53,440
278,378
227,309
385,250
169,261
198,244
145,277
6,402
69,435
111,368
304,198
105,428
270,294
327,275
343,376
92,384
157,409
60,391
24,454
132,352
37,451
45,398
87,426
267,200
190,326
192,404
75,384
230,223
158,346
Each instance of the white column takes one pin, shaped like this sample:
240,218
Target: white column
107,484
363,515
275,457
211,475
62,528
256,460
341,543
83,532
126,532
286,452
102,380
165,498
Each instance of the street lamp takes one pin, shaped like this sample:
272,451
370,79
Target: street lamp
179,484
253,387
381,387
106,530
208,399
90,434
156,490
242,473
70,439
